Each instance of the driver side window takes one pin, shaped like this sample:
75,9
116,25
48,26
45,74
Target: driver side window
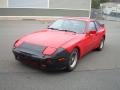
91,26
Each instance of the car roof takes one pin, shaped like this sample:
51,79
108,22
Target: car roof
79,18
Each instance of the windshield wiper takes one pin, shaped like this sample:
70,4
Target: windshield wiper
53,28
68,31
62,30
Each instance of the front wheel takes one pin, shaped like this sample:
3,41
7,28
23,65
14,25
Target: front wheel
73,60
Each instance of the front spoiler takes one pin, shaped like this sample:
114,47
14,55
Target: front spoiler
41,60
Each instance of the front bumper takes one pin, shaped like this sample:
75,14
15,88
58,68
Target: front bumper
43,61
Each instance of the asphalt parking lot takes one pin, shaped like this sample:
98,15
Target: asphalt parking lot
95,71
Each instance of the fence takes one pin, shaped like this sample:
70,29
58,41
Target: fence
107,12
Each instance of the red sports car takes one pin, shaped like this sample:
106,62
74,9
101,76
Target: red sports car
61,45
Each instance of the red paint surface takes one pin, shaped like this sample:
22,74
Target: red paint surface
54,39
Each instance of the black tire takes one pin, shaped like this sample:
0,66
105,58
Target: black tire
101,46
73,60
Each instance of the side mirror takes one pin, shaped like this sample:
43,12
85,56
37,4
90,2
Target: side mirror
92,32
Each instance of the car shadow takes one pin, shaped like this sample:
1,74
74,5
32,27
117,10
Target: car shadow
39,69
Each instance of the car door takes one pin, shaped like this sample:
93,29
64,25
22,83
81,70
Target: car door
97,36
91,38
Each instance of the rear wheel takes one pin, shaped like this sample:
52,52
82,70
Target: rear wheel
101,46
73,60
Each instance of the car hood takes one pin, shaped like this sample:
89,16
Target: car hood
49,38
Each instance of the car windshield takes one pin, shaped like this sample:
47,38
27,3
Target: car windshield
77,26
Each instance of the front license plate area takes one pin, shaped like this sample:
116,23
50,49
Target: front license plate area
29,60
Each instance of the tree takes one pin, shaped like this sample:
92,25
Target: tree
103,1
96,3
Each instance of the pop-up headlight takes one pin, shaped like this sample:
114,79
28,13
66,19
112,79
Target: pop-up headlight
49,51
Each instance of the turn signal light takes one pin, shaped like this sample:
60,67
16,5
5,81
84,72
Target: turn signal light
15,45
61,59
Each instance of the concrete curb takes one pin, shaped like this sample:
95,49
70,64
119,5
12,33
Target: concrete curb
28,18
